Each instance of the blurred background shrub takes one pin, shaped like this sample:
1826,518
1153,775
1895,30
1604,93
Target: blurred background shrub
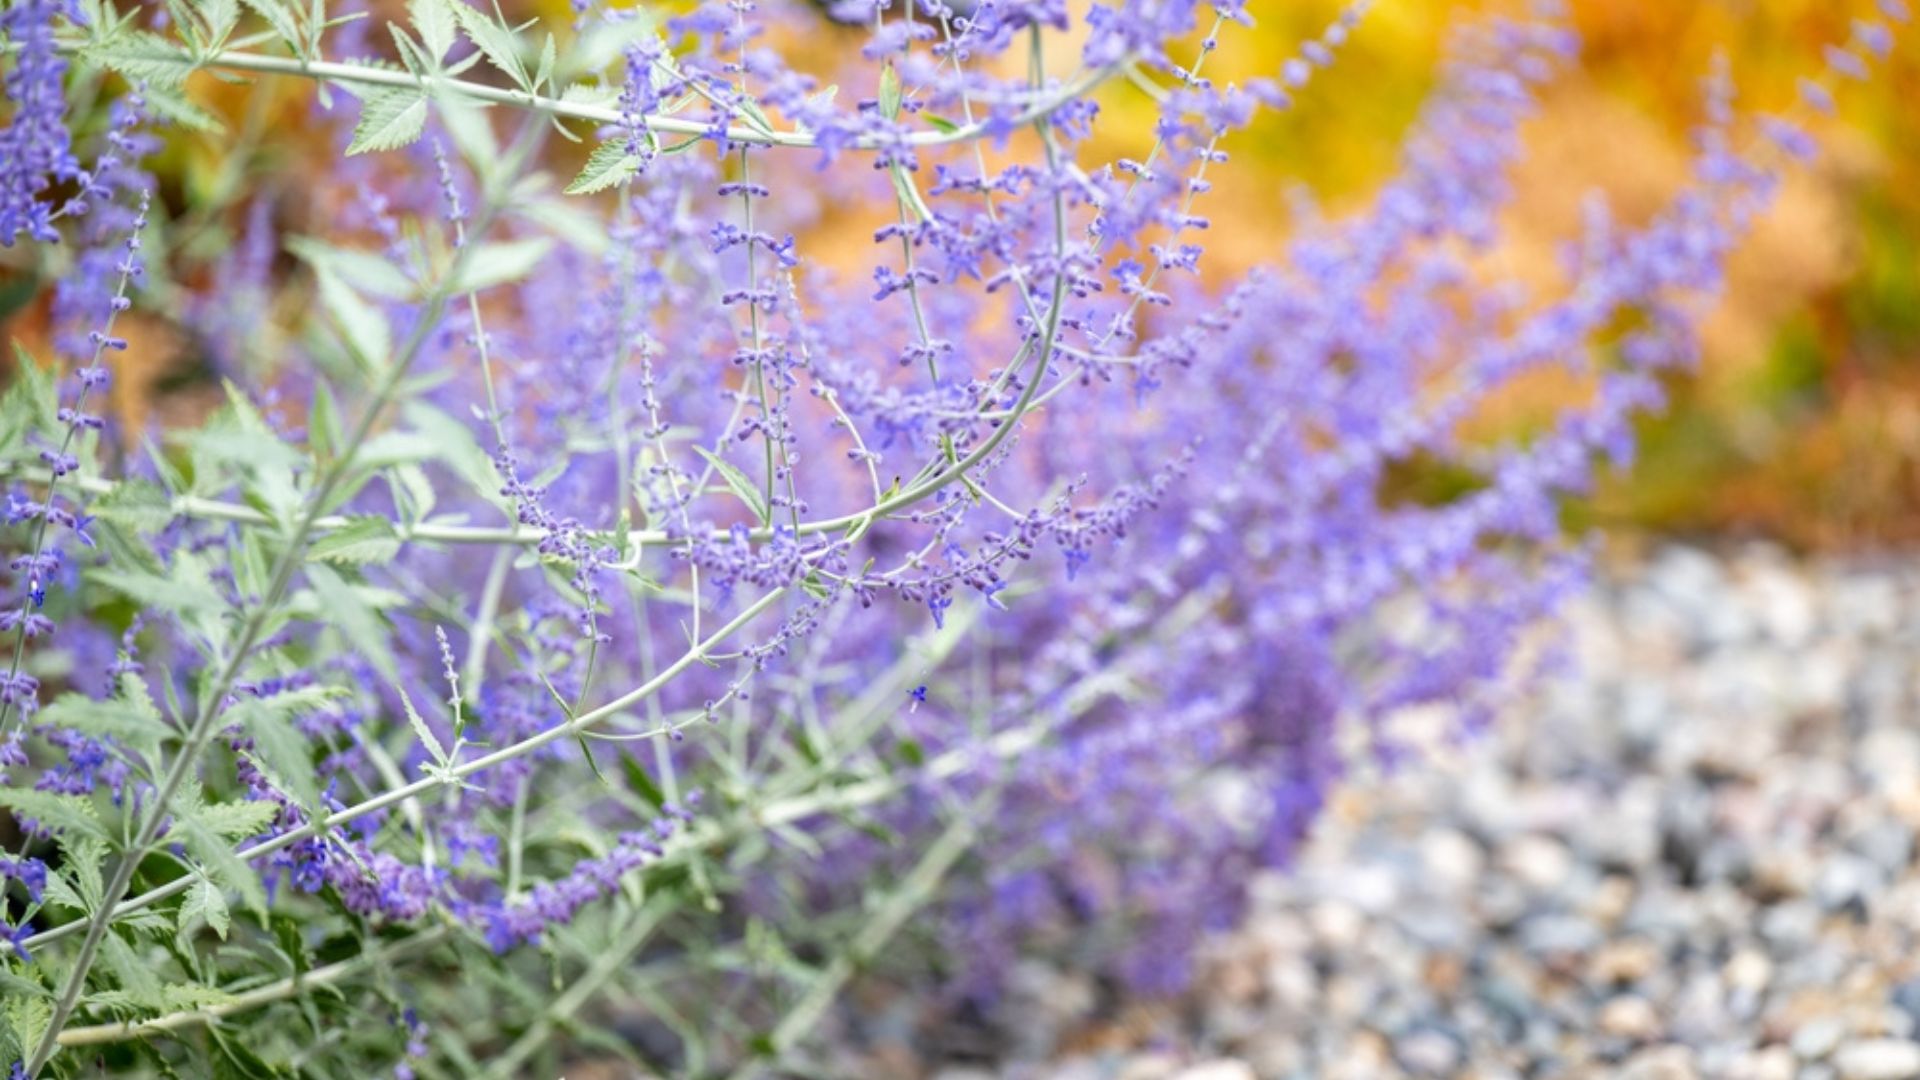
1803,423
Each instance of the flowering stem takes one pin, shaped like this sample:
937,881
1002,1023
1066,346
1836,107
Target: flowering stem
214,697
101,339
1002,746
348,73
452,774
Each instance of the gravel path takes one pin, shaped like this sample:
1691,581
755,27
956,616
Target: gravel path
1694,858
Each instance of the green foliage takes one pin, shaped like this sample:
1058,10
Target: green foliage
608,166
389,120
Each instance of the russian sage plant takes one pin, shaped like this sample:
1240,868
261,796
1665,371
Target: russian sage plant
564,588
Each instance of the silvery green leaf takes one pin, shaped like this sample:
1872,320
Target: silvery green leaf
367,539
219,16
26,1019
12,985
545,69
494,41
283,752
236,820
581,93
143,58
365,271
609,164
389,119
136,504
738,481
205,904
281,18
457,449
220,863
178,593
889,92
111,718
362,326
62,893
56,812
85,856
497,264
420,729
172,105
133,973
434,22
413,55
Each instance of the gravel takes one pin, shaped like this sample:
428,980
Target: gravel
1691,857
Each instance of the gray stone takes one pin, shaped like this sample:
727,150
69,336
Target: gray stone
1816,1038
1878,1059
1428,1052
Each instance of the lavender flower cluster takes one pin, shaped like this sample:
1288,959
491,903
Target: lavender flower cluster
622,585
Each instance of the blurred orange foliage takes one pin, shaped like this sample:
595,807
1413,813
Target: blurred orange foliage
1804,421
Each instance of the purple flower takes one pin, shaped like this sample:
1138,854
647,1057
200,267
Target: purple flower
35,149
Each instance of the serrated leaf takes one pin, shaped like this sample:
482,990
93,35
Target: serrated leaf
236,820
143,58
389,120
219,862
581,93
27,1018
180,997
205,904
59,813
609,164
287,757
30,403
494,41
413,55
85,857
219,16
737,481
367,539
208,831
457,449
172,105
545,69
112,718
420,729
62,893
12,985
137,504
434,22
280,18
